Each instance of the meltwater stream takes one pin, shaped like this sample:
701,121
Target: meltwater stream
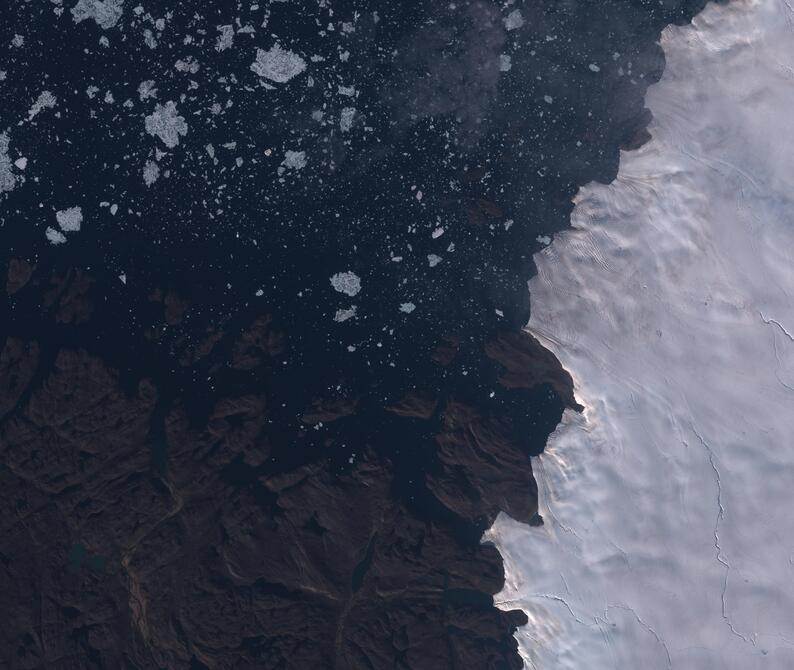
669,503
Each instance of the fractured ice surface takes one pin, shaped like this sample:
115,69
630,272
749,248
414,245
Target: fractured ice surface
669,535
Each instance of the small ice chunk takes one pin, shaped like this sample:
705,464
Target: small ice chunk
514,20
123,278
349,91
346,119
146,89
105,12
21,163
44,101
69,219
505,63
346,282
226,37
277,64
114,208
438,232
189,65
151,172
294,160
548,99
407,307
544,239
166,124
55,236
433,260
8,180
594,68
345,314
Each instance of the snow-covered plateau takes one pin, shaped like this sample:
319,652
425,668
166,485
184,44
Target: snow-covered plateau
669,502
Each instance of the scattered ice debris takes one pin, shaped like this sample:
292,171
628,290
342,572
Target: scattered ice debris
438,232
8,179
544,239
123,278
17,41
407,307
344,314
105,12
508,224
349,91
151,172
295,160
146,89
226,37
113,209
499,313
55,236
548,99
346,118
259,293
166,124
505,63
346,282
44,101
594,68
277,64
433,260
514,20
69,219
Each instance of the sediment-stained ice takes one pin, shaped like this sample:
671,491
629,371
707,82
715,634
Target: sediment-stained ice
669,539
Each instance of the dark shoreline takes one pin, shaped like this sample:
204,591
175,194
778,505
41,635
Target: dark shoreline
198,477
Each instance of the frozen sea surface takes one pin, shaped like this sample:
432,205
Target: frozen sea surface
669,526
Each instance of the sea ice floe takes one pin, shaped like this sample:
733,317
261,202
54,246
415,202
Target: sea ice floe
346,282
514,20
294,160
69,219
105,12
151,171
278,64
166,124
